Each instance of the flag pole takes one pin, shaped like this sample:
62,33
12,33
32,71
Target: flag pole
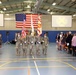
23,29
32,25
39,27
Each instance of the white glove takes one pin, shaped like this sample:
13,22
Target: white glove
25,41
31,41
67,44
21,44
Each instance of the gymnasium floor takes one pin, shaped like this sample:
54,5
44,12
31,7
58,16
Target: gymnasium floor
55,63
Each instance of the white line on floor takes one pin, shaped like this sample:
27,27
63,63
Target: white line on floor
36,66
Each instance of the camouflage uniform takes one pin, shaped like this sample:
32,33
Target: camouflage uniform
31,44
18,41
28,42
38,44
24,46
45,44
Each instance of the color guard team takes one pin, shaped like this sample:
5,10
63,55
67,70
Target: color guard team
35,44
31,44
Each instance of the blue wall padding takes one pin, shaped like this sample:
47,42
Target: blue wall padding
11,35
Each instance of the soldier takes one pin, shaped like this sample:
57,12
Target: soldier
24,46
28,40
18,41
42,43
38,44
45,44
32,43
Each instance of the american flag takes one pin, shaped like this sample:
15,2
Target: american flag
27,17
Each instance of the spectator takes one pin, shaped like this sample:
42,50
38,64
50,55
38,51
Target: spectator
0,40
74,45
68,41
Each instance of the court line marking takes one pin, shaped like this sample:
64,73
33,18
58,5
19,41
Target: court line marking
38,61
41,59
5,64
28,68
28,71
70,65
36,58
36,66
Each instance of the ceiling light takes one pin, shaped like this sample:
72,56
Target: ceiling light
54,4
0,2
74,15
51,12
27,1
73,0
28,6
1,11
4,8
48,10
20,10
7,14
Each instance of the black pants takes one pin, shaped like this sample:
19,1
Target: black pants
69,48
74,51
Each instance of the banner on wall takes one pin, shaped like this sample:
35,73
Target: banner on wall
1,20
61,21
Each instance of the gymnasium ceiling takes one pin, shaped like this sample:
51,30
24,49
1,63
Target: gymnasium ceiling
67,7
